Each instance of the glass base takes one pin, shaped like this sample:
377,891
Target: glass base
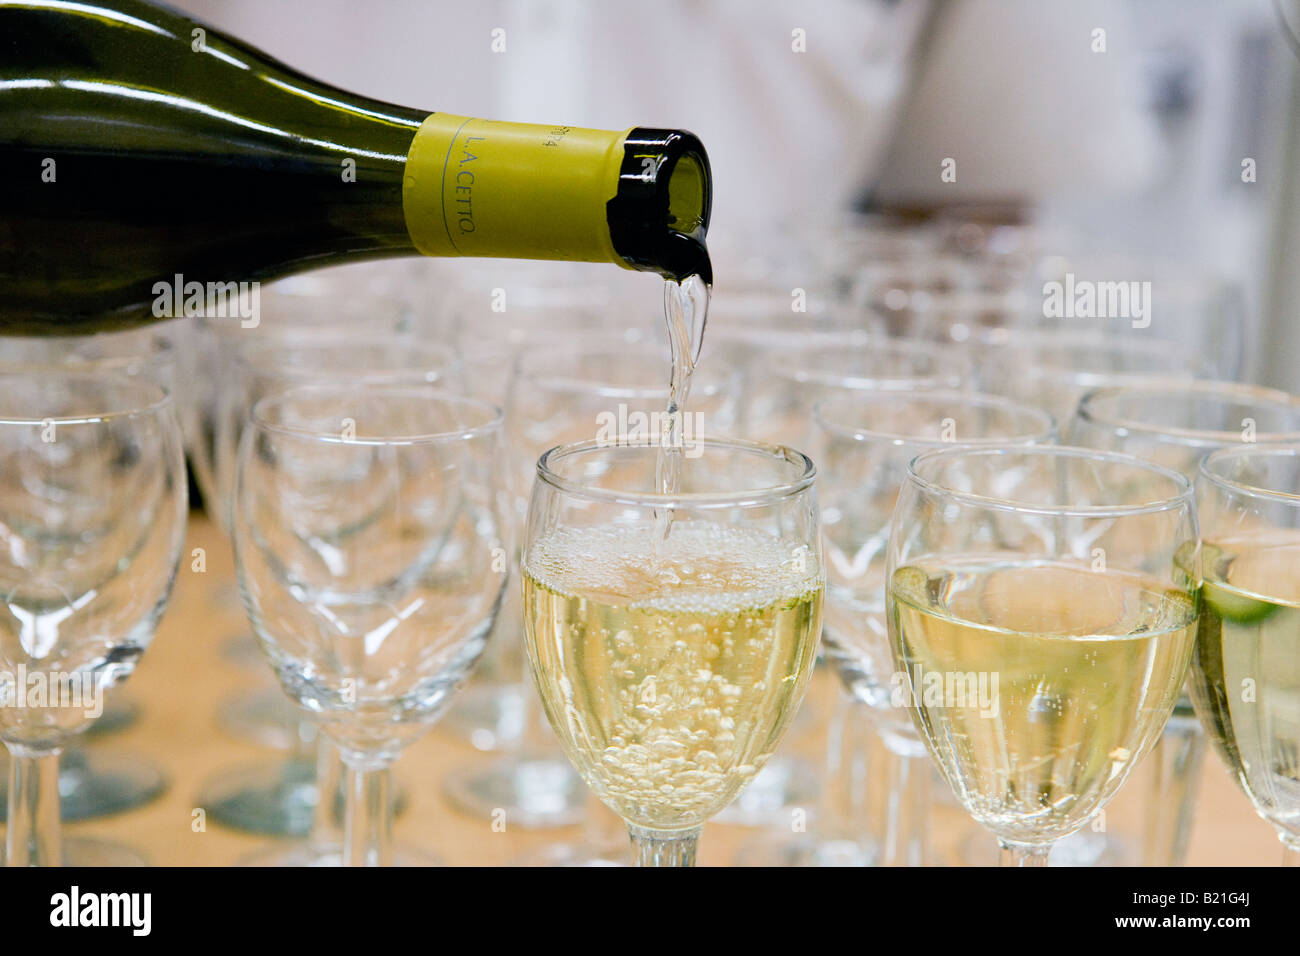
783,785
82,851
804,849
119,714
1084,848
491,717
317,853
532,792
94,784
272,797
265,717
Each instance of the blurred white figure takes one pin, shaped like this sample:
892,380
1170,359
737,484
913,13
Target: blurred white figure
1031,101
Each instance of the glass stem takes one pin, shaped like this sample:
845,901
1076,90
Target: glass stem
1175,763
329,776
907,811
1023,854
837,786
664,847
844,829
33,837
368,818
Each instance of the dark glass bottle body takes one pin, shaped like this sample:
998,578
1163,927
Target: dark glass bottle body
137,144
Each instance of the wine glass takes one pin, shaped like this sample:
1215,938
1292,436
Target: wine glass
862,444
1056,368
558,395
291,796
1245,676
782,386
1042,611
1190,309
92,519
1176,424
671,634
370,549
787,368
94,781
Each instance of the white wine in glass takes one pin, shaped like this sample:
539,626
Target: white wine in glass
671,656
1073,675
674,672
1042,611
1245,676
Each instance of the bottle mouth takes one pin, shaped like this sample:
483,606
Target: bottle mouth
659,217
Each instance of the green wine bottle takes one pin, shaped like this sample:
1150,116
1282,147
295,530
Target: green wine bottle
138,146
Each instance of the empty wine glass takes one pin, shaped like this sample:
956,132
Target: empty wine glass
1176,424
1056,368
370,547
92,519
787,369
290,796
1245,676
94,781
1042,611
783,386
671,634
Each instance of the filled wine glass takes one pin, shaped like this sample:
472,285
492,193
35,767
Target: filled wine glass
1042,611
92,519
557,395
370,540
671,633
863,444
1245,676
1176,424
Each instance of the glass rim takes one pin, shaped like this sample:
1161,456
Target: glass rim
1184,495
967,398
1289,449
257,415
95,373
751,497
1194,388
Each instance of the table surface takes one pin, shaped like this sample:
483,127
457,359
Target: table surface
186,674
